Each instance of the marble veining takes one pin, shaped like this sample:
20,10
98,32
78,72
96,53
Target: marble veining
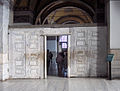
61,84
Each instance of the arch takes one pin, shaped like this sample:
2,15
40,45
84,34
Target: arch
70,22
70,13
69,18
64,3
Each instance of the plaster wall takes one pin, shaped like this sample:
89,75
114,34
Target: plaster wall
114,24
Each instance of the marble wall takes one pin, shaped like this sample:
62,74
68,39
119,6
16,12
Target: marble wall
1,21
88,48
4,17
88,51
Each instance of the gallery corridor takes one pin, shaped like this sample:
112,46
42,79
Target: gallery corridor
61,84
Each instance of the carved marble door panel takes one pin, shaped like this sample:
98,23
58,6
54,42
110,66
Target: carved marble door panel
17,54
84,43
26,54
79,64
88,52
33,54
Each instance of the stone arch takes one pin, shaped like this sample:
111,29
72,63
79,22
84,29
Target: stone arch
62,3
72,13
64,19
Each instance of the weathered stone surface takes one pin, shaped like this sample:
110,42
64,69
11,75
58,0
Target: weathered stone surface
4,20
25,54
1,21
87,52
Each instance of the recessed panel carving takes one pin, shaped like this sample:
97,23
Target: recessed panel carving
33,72
94,42
80,43
33,63
19,37
81,34
19,63
18,71
80,53
80,69
94,34
33,37
81,60
33,45
19,45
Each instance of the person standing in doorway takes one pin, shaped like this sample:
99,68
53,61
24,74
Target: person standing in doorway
51,55
59,61
48,60
65,64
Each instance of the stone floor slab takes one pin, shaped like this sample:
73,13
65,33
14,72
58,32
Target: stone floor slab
61,84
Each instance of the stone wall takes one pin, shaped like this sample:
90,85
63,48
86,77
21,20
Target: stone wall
4,20
114,36
1,20
88,48
115,63
102,51
88,51
23,17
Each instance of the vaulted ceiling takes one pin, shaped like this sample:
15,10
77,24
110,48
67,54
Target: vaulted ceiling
44,8
39,4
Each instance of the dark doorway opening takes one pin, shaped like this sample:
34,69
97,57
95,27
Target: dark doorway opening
57,63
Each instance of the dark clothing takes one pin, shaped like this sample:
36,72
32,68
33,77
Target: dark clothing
48,64
48,61
60,61
51,55
65,62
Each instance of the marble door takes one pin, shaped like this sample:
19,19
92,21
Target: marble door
79,65
17,54
32,54
84,43
25,52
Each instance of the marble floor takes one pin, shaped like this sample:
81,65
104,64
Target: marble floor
61,84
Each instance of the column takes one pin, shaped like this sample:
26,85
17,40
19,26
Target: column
4,17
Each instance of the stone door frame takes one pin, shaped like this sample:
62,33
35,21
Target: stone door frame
45,55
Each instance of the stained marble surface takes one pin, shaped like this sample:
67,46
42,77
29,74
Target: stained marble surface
61,84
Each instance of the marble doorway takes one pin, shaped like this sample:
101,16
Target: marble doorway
56,44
